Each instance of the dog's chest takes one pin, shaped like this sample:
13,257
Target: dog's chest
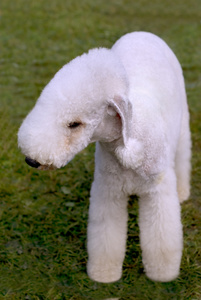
134,184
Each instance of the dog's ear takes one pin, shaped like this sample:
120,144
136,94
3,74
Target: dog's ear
120,107
130,152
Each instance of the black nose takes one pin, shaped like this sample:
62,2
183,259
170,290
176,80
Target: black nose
31,162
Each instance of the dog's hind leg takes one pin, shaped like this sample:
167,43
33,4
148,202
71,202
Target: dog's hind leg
183,161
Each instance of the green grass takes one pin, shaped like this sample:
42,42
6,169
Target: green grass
43,215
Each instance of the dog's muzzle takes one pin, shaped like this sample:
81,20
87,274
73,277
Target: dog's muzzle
33,163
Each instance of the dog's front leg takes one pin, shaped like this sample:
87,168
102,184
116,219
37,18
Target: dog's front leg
161,230
107,228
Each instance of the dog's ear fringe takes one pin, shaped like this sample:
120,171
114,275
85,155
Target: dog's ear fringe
130,155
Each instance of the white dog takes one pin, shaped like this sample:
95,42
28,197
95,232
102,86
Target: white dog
131,100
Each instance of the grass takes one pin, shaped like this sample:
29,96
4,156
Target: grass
43,215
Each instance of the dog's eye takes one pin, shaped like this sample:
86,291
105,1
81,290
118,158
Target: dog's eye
74,124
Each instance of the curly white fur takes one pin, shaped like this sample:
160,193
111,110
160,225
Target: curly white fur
131,100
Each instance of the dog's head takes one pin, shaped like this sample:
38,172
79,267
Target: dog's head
86,101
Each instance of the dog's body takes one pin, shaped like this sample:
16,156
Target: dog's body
131,100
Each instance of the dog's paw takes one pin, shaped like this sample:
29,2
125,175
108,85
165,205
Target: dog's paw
183,193
164,269
165,274
104,273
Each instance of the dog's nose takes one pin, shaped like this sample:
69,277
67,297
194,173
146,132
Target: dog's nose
31,162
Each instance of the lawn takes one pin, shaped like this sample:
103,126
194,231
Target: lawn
43,215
